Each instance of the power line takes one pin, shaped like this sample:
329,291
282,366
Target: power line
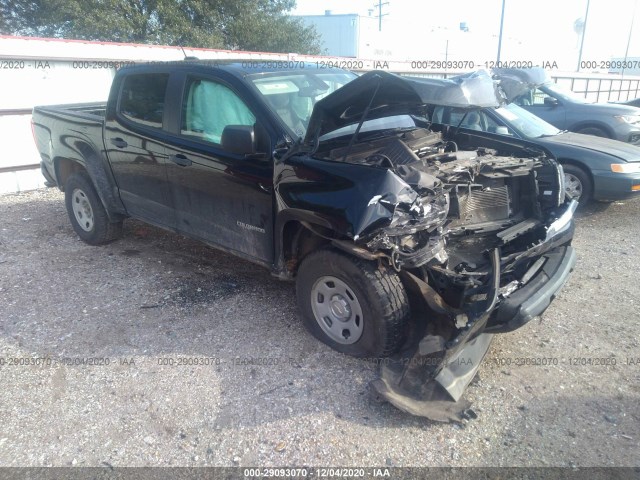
500,36
380,14
584,31
626,52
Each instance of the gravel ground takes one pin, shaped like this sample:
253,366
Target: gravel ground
154,303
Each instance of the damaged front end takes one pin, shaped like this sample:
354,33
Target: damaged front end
481,242
480,238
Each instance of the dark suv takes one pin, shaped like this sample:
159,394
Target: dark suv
565,110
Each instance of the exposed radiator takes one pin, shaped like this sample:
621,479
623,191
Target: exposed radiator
478,205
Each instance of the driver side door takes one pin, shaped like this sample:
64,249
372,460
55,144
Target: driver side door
222,197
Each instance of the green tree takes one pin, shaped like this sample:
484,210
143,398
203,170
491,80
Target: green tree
261,25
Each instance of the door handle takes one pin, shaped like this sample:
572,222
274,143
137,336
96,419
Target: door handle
180,159
119,143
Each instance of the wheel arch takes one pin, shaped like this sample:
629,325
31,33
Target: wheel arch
577,163
593,124
64,167
295,240
586,170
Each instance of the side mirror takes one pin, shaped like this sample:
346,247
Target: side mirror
551,102
239,139
502,131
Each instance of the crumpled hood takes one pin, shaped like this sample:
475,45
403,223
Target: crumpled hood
621,150
514,82
387,94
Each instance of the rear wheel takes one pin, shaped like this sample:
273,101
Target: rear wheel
352,305
88,217
577,183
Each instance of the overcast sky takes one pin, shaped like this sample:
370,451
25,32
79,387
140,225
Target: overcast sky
545,27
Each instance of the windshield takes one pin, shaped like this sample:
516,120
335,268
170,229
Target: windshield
562,92
292,96
525,122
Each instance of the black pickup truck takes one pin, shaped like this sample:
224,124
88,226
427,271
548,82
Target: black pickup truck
406,244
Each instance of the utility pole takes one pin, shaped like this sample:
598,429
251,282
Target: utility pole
584,31
626,52
500,36
380,15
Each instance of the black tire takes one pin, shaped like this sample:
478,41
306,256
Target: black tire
573,174
88,217
595,131
379,296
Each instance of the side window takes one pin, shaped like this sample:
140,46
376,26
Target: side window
524,99
437,115
495,127
535,97
208,107
475,120
472,119
142,98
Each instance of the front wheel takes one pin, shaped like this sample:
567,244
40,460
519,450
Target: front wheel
355,306
577,183
88,216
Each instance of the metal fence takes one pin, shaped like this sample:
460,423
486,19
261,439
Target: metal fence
596,87
602,88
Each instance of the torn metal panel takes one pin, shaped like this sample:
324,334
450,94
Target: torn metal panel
404,194
378,199
438,407
415,379
462,367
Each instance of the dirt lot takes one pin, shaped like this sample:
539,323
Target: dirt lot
172,324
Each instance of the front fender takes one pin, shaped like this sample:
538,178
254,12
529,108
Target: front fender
353,200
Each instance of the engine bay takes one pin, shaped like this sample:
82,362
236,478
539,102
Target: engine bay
456,206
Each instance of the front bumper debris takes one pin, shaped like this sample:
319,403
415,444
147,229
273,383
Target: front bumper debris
439,398
428,377
534,298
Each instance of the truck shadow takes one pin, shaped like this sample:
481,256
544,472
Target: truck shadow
186,319
230,310
592,208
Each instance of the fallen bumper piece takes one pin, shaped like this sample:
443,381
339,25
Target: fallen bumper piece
429,377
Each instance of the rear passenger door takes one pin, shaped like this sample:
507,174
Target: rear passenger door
221,197
133,129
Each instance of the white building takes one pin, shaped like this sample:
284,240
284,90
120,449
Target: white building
347,35
352,35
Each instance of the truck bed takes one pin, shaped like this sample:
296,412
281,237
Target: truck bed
87,111
69,131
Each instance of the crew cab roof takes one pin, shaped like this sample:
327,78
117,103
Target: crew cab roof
239,68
